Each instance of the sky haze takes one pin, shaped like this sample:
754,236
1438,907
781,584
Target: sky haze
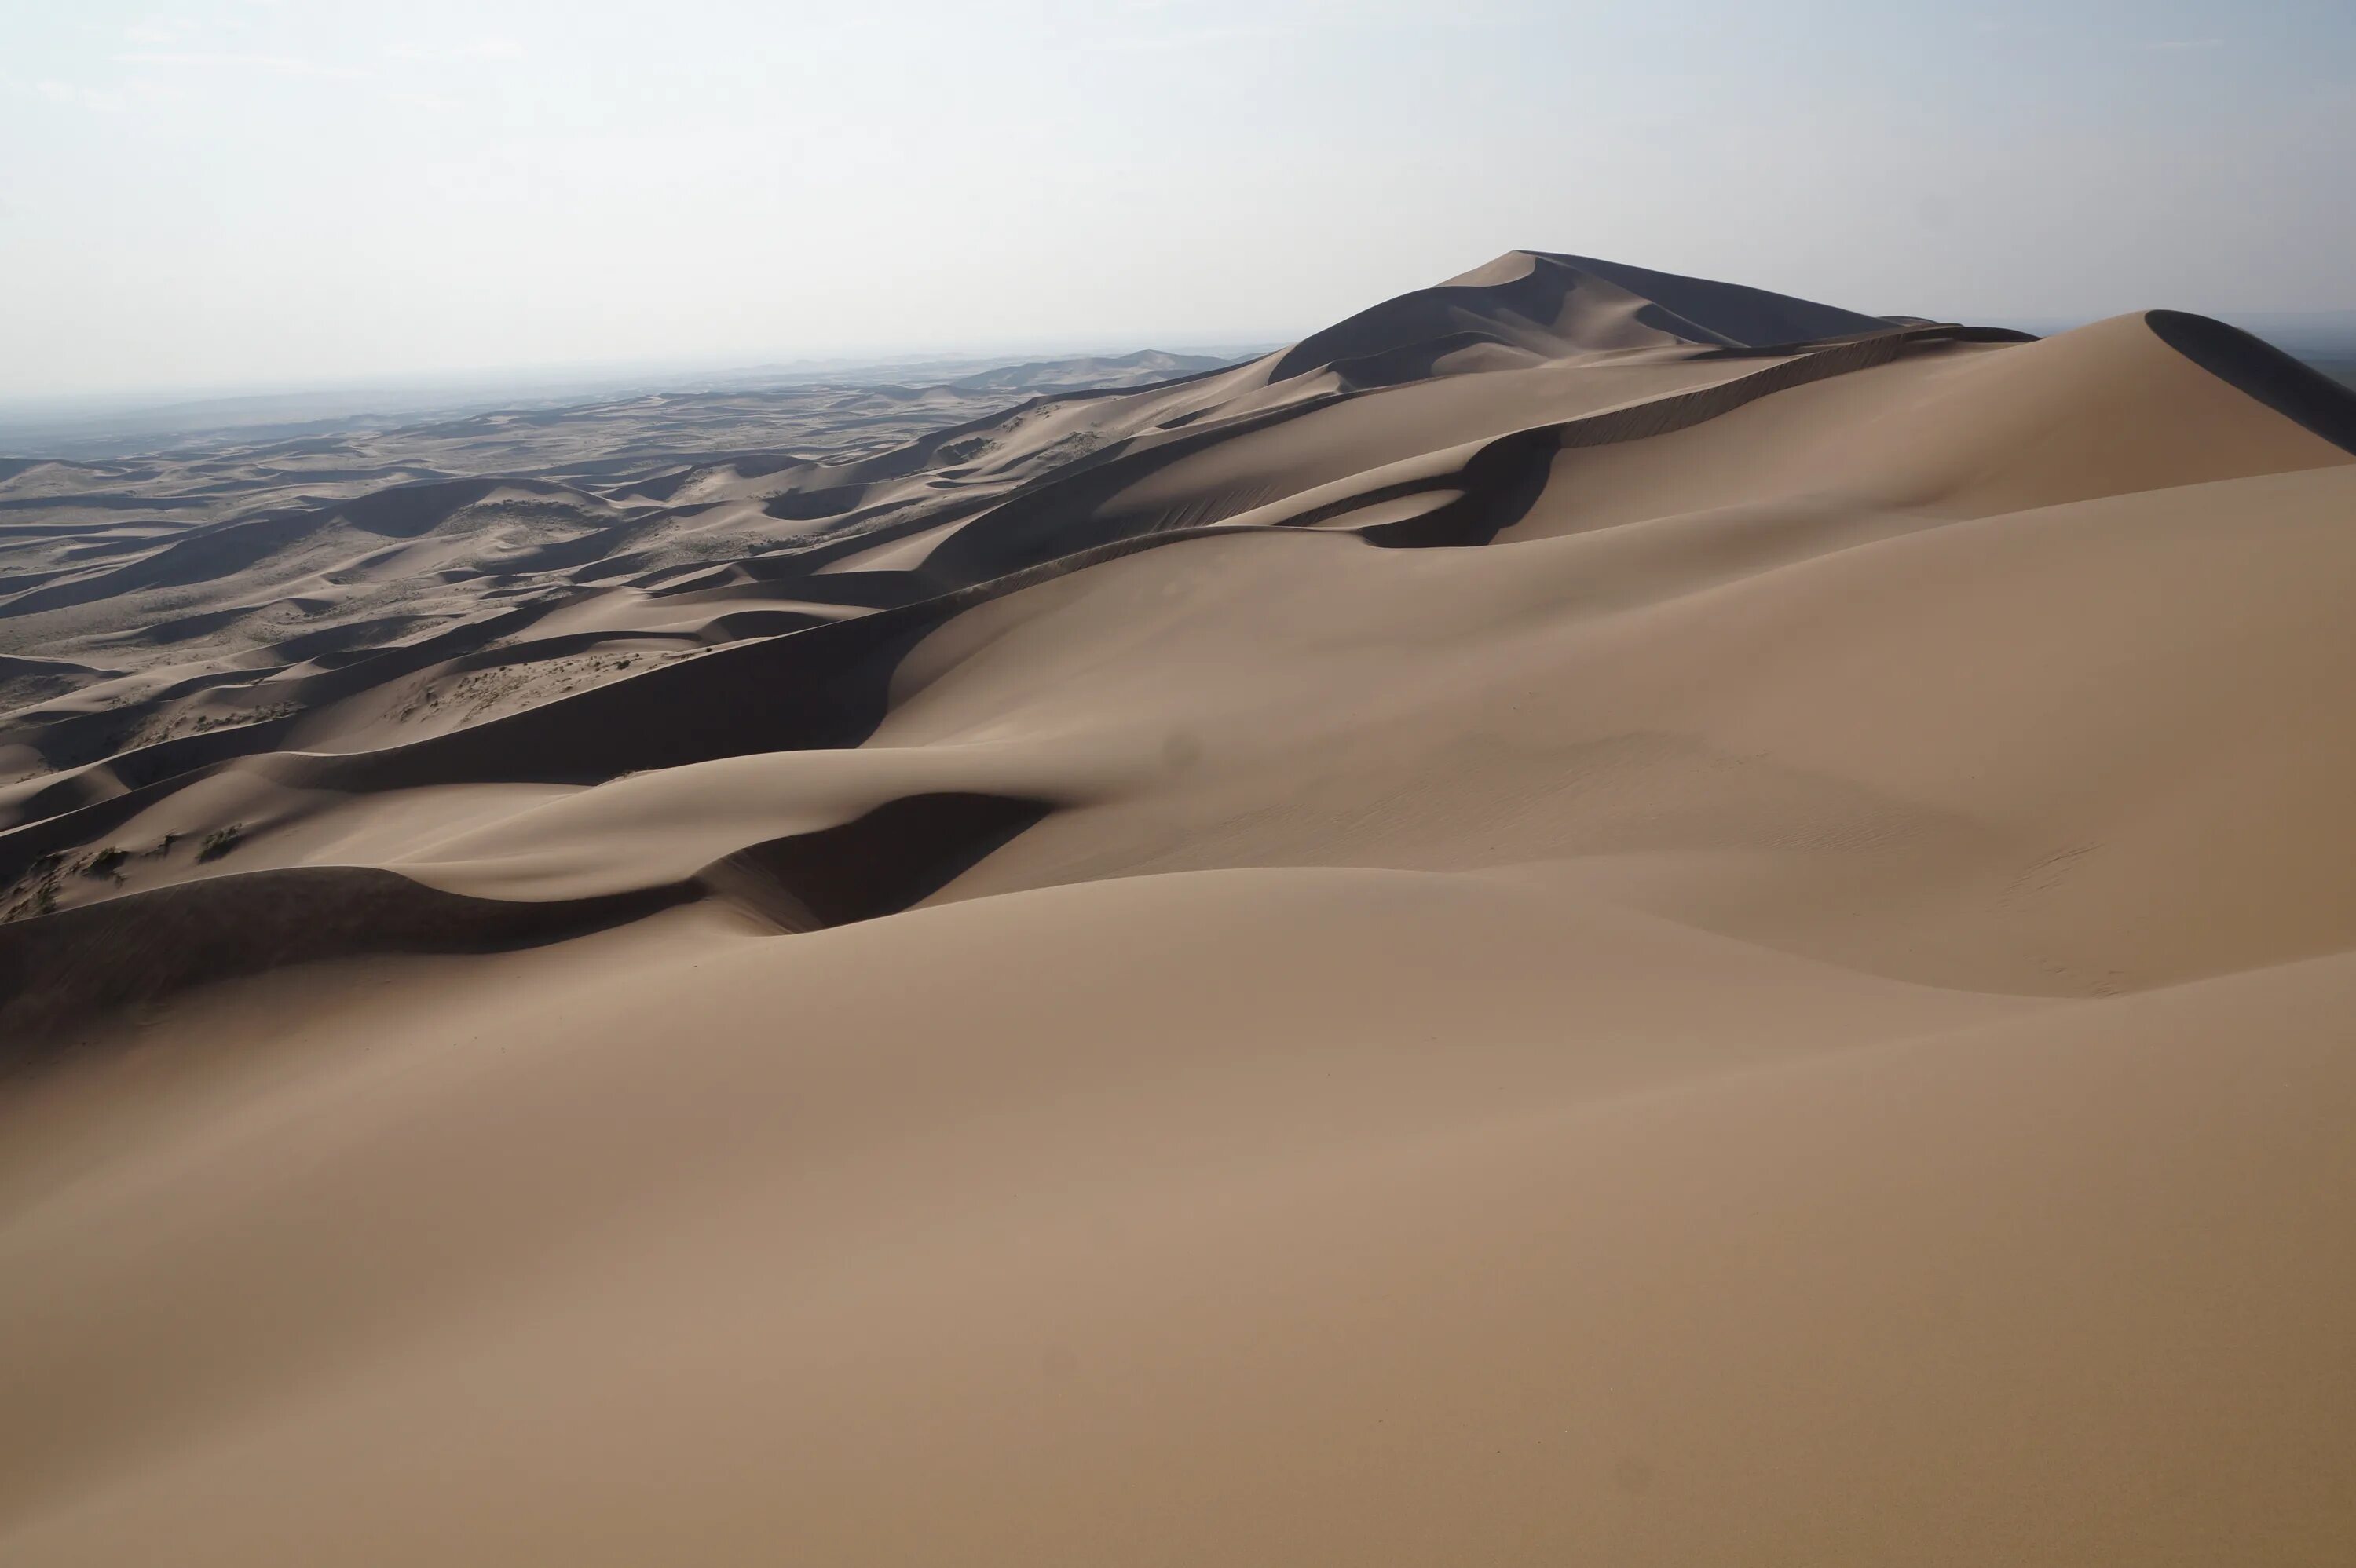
240,193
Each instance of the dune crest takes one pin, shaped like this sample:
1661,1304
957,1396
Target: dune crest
1593,916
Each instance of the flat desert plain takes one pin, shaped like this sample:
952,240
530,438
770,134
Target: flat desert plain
1592,917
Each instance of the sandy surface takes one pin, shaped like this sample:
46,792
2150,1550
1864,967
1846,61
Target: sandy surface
1591,918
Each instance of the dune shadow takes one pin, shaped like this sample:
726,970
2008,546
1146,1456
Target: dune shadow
2298,393
72,968
63,970
903,851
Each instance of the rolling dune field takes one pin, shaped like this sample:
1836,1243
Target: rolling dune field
1590,917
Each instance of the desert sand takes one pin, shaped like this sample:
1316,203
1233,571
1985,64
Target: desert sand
1591,917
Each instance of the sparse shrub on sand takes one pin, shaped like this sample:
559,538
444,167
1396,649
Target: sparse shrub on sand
220,841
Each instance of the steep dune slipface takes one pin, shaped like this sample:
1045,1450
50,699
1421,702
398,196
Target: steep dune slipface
1571,930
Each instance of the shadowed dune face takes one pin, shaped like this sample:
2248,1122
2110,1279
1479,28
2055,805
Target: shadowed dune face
2265,372
1593,916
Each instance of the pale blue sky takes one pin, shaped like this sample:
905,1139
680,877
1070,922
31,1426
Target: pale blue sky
255,192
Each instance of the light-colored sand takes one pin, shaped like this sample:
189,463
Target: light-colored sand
1575,945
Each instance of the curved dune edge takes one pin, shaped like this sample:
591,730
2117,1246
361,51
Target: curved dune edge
59,971
1506,476
2298,393
62,972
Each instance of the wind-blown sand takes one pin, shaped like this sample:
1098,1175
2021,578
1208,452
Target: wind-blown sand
1594,917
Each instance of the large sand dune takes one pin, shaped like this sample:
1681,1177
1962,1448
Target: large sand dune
1594,917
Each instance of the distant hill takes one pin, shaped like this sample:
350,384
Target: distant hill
1138,369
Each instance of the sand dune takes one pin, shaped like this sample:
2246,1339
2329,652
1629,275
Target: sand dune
1591,917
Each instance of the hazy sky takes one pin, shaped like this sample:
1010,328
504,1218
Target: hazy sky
255,192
